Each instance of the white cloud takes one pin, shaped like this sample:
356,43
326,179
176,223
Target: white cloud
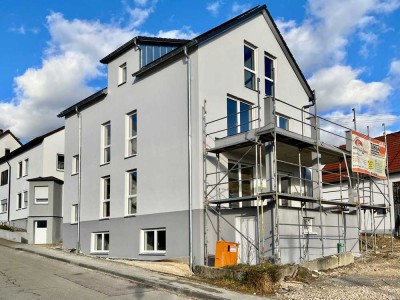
320,40
240,8
140,2
340,86
183,33
139,15
214,7
19,29
70,61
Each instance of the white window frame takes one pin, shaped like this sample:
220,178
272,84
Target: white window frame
20,201
122,74
130,137
6,177
238,121
254,72
94,242
75,164
105,147
239,167
74,213
278,117
41,201
25,198
308,226
20,169
273,59
25,167
143,241
104,200
3,206
57,162
130,196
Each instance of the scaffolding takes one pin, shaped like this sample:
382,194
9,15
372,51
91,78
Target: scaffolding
274,168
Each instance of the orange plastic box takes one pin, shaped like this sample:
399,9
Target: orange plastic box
226,254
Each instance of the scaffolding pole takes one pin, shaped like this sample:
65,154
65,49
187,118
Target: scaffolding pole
387,181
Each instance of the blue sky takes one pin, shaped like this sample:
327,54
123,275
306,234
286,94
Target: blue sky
348,50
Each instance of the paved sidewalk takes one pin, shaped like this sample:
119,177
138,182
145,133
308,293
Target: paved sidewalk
176,284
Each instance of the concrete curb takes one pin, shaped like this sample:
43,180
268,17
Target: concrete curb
164,286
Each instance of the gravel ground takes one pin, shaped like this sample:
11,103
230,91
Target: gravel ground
373,277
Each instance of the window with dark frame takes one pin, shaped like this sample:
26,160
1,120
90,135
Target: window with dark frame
4,177
60,162
269,75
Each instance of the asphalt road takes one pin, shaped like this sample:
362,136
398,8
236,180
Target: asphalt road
28,276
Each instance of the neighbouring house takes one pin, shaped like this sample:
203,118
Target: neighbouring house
31,186
196,141
378,194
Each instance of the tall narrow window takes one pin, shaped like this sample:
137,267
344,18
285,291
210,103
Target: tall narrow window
132,191
122,74
19,201
105,199
75,164
238,116
269,75
106,140
19,170
4,177
74,214
240,182
60,162
131,141
26,199
3,206
25,169
249,67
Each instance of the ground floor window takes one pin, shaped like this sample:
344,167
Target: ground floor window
3,206
74,214
101,242
154,240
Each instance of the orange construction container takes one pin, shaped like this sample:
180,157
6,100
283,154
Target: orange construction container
226,254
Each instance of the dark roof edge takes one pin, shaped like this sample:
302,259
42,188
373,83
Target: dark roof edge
48,178
202,38
8,131
84,102
137,40
227,26
31,144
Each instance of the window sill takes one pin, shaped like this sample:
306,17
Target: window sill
73,223
251,89
60,170
133,155
99,252
130,216
18,209
104,219
2,213
104,164
122,83
158,253
24,207
75,174
41,203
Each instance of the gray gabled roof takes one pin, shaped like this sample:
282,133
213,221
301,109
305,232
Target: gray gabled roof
85,102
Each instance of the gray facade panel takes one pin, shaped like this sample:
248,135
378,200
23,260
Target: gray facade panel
125,235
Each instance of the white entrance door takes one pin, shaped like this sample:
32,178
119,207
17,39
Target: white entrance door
247,227
40,232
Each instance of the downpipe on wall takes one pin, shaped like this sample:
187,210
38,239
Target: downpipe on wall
78,245
189,95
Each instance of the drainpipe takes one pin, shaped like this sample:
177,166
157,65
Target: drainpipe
312,100
9,192
78,246
189,92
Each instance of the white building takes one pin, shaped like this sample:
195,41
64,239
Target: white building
148,176
31,186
